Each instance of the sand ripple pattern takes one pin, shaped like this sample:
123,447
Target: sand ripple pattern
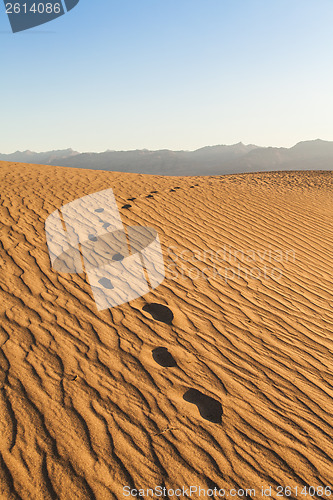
229,384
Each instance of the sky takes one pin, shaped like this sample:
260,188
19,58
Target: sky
169,74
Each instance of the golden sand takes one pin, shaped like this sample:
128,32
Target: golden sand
229,385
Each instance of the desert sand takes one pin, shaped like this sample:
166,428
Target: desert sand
221,377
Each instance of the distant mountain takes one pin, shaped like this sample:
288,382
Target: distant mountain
307,155
209,160
39,158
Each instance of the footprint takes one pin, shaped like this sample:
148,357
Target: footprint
99,210
177,187
159,312
153,192
172,190
191,187
106,225
149,196
92,237
131,199
106,283
209,408
118,257
126,206
163,357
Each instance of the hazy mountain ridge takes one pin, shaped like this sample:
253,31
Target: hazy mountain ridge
44,158
209,160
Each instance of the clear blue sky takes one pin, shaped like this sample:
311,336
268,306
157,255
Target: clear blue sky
178,74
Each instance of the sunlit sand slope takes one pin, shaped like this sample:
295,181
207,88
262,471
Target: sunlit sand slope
220,377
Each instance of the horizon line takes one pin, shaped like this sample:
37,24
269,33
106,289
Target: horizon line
161,149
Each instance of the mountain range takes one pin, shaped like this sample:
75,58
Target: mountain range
209,160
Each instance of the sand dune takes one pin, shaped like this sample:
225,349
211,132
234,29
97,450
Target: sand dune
220,377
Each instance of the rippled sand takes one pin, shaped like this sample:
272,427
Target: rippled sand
220,377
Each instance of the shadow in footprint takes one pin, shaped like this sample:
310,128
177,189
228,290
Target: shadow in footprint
172,190
209,408
159,312
163,357
118,257
106,283
131,199
153,192
149,196
126,206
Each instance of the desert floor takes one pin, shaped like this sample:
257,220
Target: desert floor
229,385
